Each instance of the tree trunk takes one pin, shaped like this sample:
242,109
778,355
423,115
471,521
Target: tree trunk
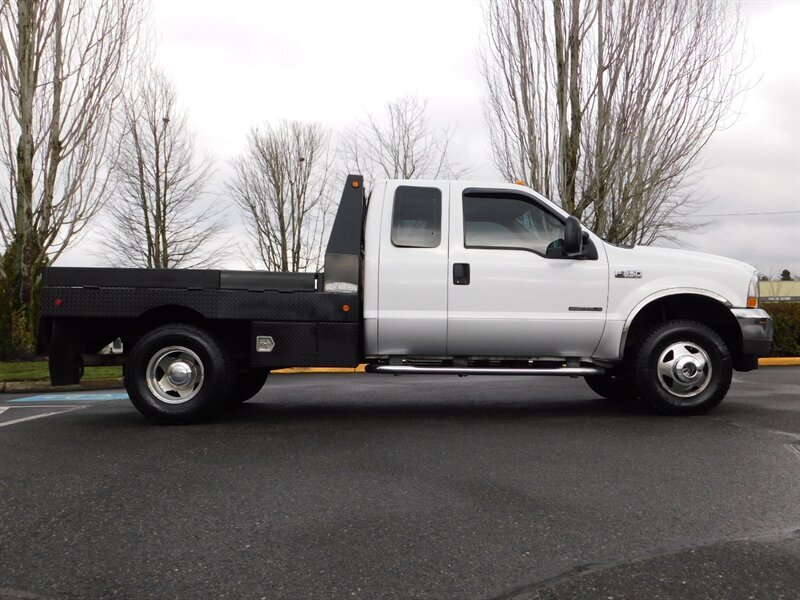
21,278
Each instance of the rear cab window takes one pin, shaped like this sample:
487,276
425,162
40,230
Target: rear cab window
417,217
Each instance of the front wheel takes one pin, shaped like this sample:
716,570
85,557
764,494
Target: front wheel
178,374
683,368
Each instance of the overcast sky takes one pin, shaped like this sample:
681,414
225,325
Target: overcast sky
238,64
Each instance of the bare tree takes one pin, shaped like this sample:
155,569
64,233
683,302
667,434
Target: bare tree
281,184
606,105
61,66
401,144
157,222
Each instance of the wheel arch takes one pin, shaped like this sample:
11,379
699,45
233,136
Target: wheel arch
170,313
702,306
232,333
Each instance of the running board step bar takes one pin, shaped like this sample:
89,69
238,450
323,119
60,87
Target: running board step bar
410,369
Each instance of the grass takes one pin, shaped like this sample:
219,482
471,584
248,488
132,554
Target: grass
35,371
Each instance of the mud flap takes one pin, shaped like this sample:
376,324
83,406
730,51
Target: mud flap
64,358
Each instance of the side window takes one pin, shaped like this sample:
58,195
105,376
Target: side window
417,217
510,221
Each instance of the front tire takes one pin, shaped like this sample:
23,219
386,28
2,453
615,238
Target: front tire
178,374
683,368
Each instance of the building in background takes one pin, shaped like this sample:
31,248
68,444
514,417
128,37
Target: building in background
779,291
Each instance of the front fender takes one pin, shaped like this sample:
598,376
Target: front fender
663,294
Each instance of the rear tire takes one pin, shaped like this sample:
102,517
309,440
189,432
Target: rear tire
612,387
178,374
683,368
247,385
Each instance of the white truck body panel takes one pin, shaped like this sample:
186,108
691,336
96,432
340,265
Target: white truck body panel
518,303
371,276
411,286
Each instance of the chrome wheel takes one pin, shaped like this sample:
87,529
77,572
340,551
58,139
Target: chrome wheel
175,374
684,369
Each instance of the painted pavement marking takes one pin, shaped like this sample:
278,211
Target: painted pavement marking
53,404
60,411
73,397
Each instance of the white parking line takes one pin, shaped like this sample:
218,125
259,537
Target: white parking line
47,414
3,409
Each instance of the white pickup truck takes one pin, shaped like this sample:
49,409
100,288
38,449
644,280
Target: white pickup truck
431,277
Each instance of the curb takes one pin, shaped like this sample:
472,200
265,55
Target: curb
297,370
13,387
783,361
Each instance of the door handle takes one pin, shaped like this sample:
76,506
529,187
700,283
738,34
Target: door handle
461,273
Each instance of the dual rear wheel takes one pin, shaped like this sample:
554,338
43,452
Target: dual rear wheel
178,374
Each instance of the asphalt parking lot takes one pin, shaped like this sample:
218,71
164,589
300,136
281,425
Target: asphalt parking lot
359,486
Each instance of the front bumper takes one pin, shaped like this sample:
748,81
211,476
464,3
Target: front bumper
756,326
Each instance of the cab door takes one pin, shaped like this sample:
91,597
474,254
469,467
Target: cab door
413,269
511,292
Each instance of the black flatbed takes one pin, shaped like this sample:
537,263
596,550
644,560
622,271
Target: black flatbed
84,309
181,279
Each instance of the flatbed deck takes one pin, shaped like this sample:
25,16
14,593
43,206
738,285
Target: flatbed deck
202,279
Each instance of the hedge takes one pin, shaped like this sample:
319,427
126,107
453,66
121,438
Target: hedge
786,320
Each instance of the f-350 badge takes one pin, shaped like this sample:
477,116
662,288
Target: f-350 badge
628,274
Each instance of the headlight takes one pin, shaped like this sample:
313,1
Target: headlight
752,292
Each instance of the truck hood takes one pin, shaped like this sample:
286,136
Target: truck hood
662,269
690,259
